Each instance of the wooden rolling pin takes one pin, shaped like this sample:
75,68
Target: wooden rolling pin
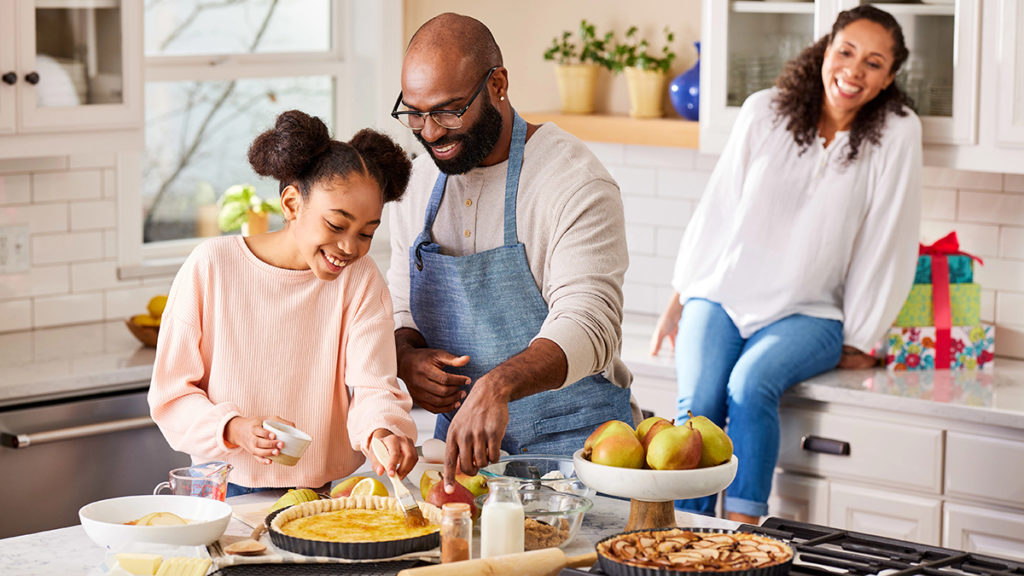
546,562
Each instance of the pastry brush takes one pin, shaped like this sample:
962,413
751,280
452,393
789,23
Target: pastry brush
413,514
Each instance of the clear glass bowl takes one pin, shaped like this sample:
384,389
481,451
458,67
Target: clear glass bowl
551,518
529,470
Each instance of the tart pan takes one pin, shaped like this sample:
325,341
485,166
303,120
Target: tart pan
615,568
353,550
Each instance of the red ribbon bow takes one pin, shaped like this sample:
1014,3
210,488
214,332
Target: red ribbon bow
941,305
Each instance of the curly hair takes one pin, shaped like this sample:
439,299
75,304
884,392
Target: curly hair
798,99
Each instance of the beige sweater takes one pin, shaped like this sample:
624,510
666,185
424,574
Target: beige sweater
569,217
242,337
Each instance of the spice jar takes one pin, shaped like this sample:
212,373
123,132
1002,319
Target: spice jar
456,532
501,520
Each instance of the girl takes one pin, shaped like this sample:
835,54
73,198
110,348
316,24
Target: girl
294,325
803,247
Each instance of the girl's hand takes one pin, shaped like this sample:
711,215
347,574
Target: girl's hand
668,325
401,454
854,359
250,435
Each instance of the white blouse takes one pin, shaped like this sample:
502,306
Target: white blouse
778,232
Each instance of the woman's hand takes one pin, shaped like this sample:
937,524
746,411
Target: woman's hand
668,324
854,359
401,454
250,435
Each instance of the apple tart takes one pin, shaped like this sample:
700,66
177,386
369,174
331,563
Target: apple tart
693,550
355,527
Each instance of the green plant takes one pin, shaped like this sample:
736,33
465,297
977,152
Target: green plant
236,203
633,53
591,48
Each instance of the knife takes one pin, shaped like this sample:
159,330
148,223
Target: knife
413,515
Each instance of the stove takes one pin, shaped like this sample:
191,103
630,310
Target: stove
824,551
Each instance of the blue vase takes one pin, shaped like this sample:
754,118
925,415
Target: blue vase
684,91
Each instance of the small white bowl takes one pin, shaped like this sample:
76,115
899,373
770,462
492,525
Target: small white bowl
104,521
655,485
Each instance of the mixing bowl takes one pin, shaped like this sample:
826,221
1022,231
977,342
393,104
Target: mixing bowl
540,471
551,518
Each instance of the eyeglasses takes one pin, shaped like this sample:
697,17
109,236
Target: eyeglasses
447,119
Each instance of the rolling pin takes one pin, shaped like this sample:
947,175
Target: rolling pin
546,562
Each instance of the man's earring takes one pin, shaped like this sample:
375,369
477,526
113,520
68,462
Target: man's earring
502,99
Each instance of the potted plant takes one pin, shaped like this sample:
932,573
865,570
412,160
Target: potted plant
576,66
241,207
645,71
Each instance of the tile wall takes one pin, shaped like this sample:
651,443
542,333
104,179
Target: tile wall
69,203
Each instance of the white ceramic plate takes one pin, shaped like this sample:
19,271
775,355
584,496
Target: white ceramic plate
654,485
104,520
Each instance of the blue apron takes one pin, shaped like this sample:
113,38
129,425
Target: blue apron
487,306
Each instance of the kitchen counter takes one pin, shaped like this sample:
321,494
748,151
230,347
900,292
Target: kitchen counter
70,551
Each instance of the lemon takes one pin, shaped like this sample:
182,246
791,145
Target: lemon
145,320
156,305
369,487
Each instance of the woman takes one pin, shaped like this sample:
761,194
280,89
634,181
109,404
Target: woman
802,249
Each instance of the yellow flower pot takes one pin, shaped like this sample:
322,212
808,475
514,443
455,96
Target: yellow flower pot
257,223
576,87
646,91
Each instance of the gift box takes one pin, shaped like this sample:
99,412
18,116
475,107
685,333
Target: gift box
961,269
971,347
918,310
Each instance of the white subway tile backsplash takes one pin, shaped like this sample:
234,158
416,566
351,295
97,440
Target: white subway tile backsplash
93,276
683,158
655,270
68,309
657,211
1009,340
988,305
1001,275
688,184
109,184
1010,308
95,160
15,189
635,181
1011,242
74,247
640,239
40,218
127,302
15,315
639,297
609,154
110,244
668,242
978,239
38,281
706,162
94,214
1013,182
26,165
949,178
938,203
991,208
77,185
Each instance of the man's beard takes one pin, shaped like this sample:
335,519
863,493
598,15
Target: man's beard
476,143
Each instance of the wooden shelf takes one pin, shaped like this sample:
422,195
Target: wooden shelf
674,132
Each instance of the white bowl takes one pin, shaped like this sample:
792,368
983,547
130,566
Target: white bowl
655,485
104,521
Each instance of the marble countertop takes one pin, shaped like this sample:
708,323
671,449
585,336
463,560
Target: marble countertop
70,551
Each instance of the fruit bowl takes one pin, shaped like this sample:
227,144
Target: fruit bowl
655,485
529,470
552,518
145,334
104,520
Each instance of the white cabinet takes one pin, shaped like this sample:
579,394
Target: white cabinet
884,513
1011,76
984,530
69,67
798,497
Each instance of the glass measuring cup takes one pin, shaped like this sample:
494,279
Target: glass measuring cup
209,480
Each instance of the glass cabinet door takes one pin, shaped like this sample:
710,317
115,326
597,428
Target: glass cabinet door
1011,77
76,66
8,68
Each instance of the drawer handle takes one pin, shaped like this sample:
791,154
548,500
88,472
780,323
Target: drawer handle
825,445
14,440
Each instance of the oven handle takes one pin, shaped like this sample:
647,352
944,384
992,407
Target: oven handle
821,445
14,440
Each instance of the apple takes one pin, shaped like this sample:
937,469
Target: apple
438,497
476,485
344,488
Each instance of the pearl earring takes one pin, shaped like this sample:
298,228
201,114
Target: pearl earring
502,99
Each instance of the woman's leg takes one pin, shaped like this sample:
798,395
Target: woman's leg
776,357
707,347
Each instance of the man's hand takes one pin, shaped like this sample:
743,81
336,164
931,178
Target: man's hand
423,371
854,359
250,435
474,435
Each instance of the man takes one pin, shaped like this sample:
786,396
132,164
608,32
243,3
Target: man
508,255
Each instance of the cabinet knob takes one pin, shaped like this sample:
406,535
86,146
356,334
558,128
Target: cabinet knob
32,78
9,78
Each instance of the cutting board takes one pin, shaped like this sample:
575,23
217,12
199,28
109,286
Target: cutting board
252,514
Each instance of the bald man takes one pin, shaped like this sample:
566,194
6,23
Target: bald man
508,254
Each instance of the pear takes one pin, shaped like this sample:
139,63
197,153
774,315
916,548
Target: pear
619,450
676,448
653,431
294,496
643,427
717,447
611,428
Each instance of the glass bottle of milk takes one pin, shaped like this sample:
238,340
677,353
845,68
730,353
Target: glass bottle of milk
501,520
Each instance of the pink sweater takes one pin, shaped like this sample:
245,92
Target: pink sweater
242,337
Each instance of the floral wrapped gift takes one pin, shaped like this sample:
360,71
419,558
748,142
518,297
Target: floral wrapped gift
971,347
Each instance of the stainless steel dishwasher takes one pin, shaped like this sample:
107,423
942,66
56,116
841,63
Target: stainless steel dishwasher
59,455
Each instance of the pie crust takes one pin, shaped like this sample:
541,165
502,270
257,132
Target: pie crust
693,550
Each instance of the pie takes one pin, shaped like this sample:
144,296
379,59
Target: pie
695,550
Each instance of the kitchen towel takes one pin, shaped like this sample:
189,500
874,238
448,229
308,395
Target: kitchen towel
914,348
964,304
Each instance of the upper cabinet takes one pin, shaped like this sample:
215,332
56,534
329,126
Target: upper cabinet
964,73
68,66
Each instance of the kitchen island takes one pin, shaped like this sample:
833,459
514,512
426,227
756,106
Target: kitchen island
68,551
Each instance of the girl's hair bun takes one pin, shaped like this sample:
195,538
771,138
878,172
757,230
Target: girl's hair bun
386,160
290,148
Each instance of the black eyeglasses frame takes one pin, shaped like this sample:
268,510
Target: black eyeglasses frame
396,113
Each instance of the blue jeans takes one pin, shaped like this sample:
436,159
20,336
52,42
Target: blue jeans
239,490
724,376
